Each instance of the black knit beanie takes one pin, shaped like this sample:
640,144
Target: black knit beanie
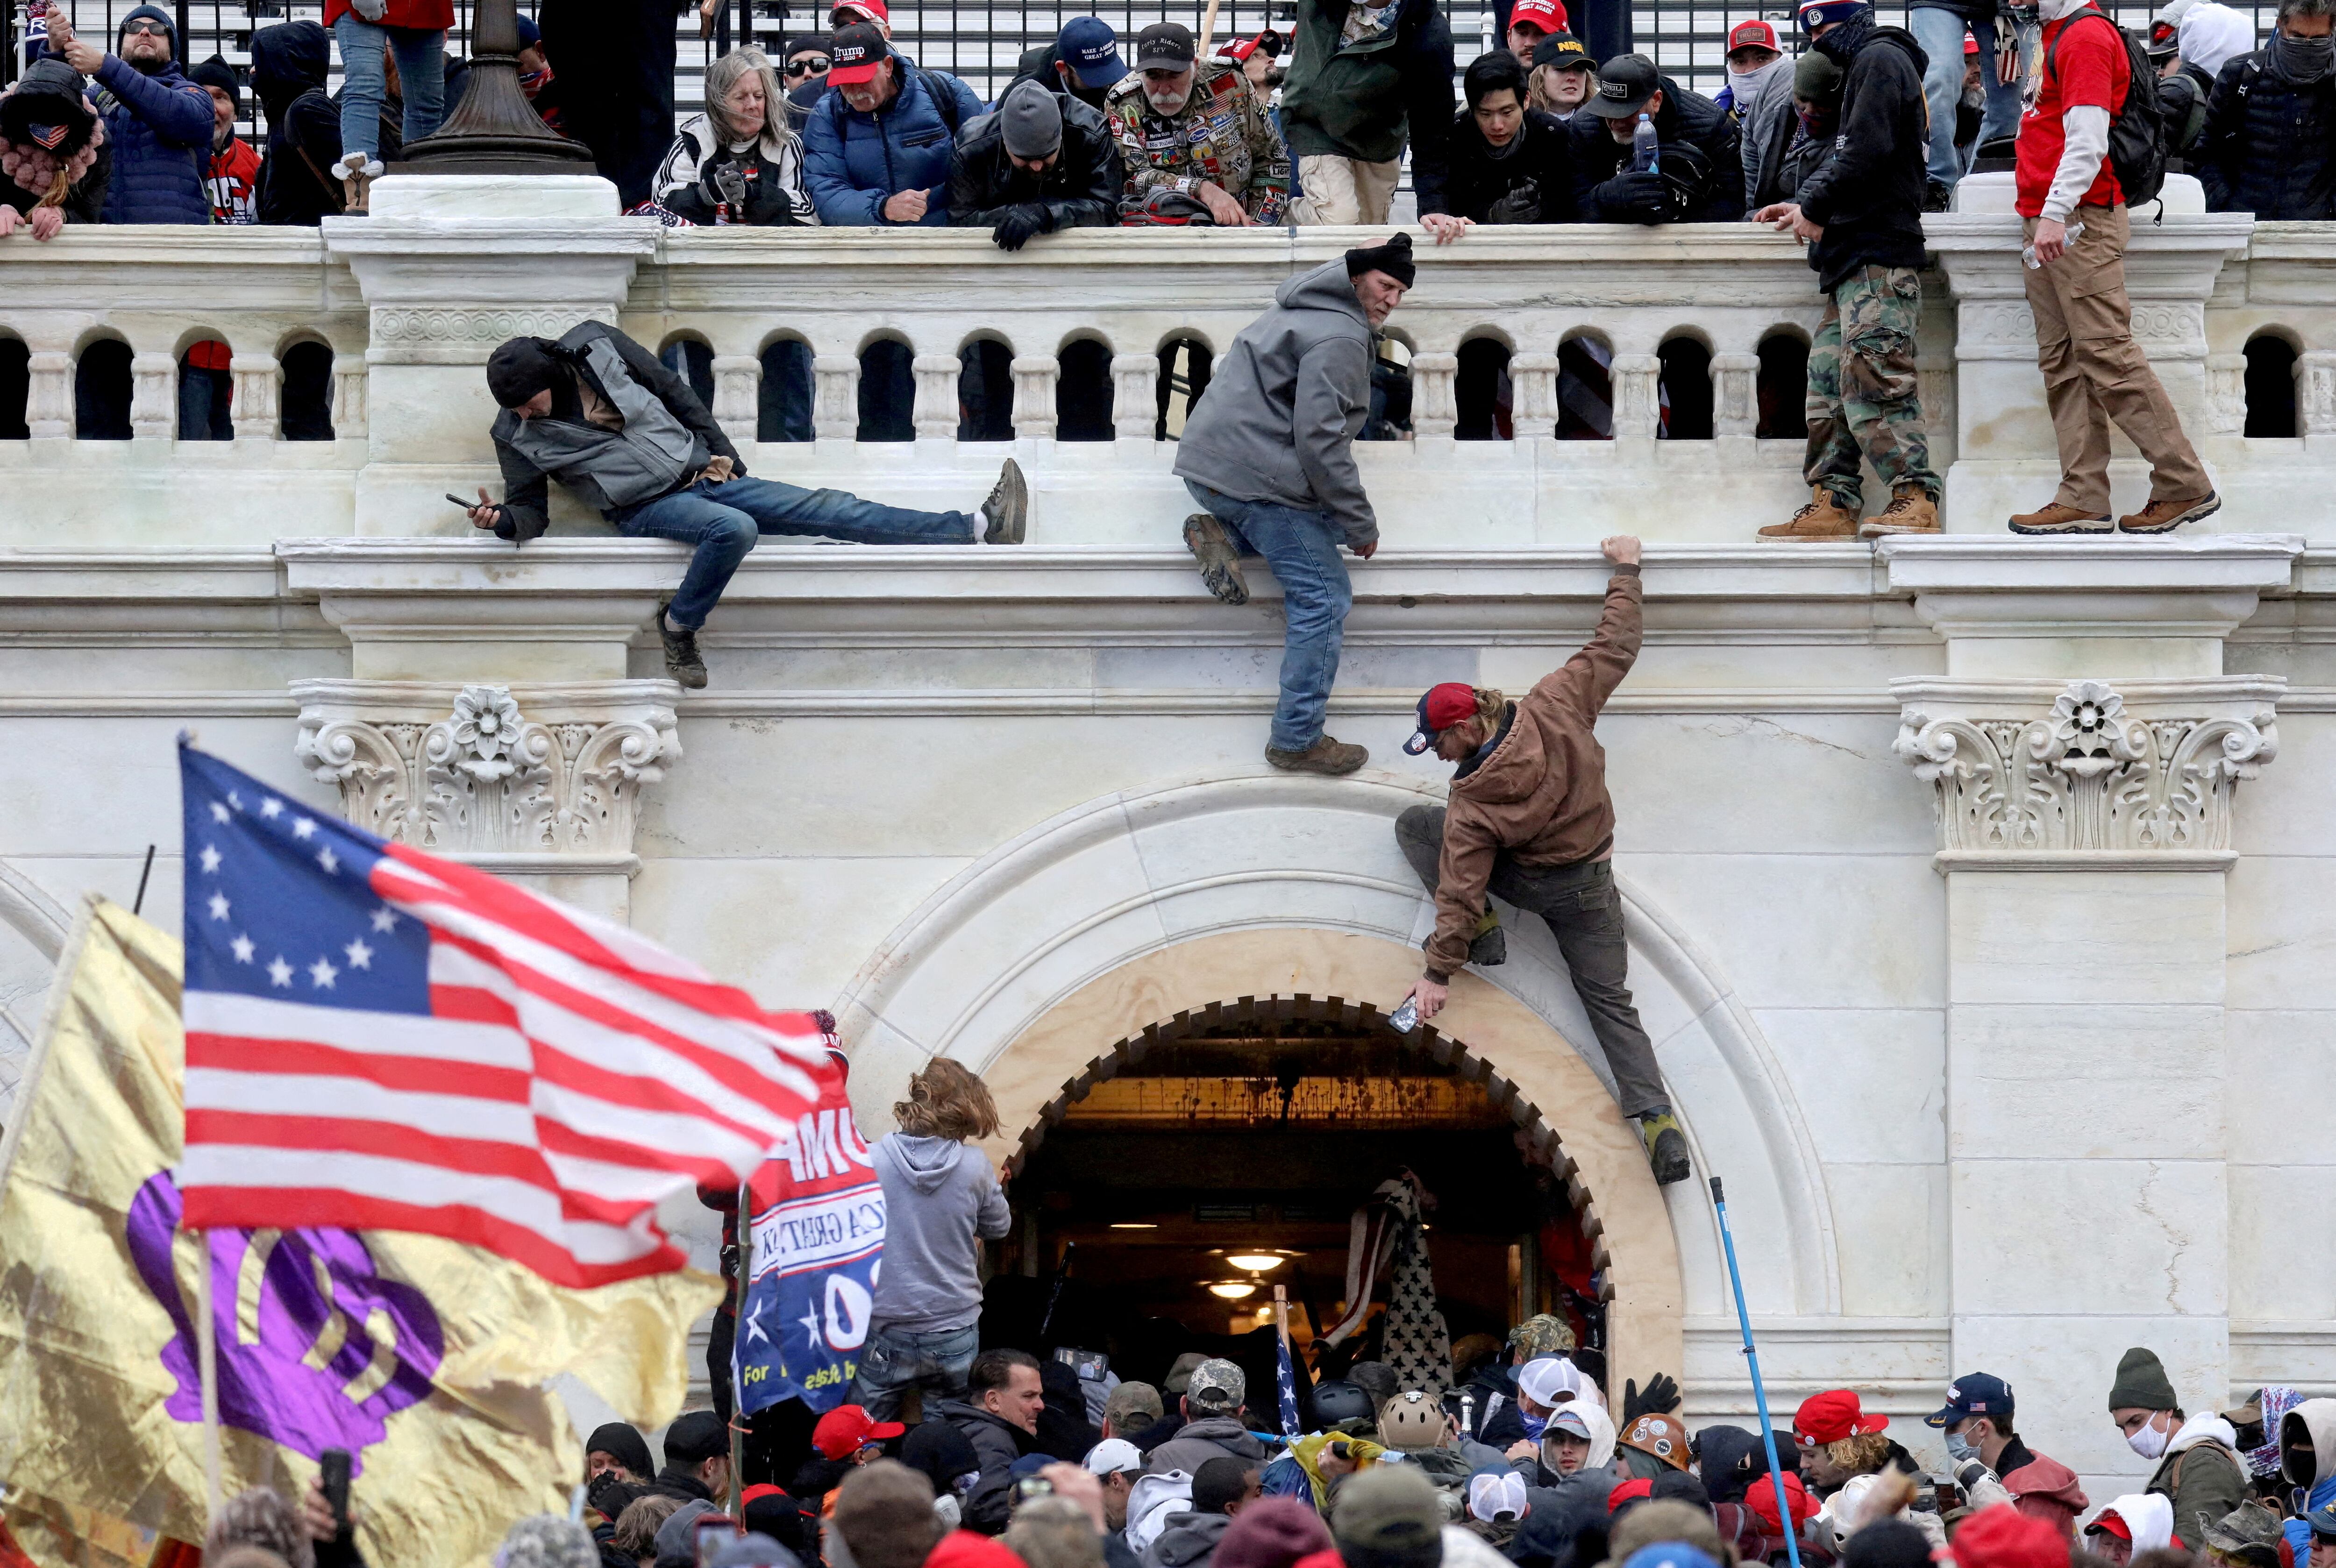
1393,259
519,368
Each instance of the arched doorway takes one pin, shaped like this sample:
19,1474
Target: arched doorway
1557,1112
1163,1196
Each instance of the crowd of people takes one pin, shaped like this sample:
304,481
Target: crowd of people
951,1454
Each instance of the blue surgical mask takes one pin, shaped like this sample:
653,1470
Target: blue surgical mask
1960,1448
1534,1425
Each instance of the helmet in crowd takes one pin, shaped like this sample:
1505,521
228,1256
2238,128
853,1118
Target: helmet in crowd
1340,1401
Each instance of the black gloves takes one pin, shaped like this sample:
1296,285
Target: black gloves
1522,205
1021,224
1639,196
1661,1398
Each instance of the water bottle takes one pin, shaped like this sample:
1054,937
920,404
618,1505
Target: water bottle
1405,1019
2028,251
1643,143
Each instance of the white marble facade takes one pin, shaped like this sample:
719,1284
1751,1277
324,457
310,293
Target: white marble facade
1982,890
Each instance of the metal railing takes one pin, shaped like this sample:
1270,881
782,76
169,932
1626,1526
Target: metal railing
981,40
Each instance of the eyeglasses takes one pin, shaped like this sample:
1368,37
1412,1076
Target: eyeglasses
815,66
156,29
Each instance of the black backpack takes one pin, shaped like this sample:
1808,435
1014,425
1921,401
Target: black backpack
2138,133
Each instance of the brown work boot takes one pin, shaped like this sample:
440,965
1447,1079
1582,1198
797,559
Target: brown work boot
1824,518
2166,516
2061,518
1325,756
1911,511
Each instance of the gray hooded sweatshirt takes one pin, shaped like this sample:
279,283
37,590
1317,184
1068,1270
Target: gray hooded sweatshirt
941,1200
1279,419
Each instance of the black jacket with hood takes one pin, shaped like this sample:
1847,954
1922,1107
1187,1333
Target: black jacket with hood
2269,147
288,76
1081,190
997,1443
1699,169
1868,194
1532,183
523,513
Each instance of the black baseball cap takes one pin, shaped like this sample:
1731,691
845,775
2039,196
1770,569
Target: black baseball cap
858,50
1164,46
1565,51
1624,84
1973,1394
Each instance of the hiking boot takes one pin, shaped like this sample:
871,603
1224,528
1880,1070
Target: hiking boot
1824,518
1911,511
2165,516
1219,561
1325,756
1005,514
2059,518
1490,946
681,660
1666,1147
1938,196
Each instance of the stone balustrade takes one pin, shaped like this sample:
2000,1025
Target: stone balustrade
1697,328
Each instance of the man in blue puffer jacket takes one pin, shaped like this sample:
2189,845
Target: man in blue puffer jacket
157,124
876,148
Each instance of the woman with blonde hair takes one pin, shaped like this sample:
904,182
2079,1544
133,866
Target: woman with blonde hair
739,162
941,1201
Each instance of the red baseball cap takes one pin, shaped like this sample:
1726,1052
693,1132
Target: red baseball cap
2111,1523
846,1429
1830,1417
1761,1498
1446,705
1549,16
846,12
1752,34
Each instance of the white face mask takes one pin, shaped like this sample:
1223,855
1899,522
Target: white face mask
2149,1442
2059,10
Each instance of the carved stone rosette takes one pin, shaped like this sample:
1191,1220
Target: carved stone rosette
541,774
2085,773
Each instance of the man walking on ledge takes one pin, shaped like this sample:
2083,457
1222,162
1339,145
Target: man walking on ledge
597,412
1530,821
1268,450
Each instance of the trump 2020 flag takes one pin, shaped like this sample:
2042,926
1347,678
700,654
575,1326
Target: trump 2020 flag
379,1038
818,1241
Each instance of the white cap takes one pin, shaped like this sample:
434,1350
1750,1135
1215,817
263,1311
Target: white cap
1113,1456
1551,1381
1492,1494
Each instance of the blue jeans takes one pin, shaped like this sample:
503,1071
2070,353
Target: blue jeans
723,521
420,77
1302,548
1940,35
894,1360
205,396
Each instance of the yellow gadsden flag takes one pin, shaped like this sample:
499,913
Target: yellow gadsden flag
426,1359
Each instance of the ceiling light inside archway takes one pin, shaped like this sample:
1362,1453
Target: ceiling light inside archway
1233,1290
1258,1260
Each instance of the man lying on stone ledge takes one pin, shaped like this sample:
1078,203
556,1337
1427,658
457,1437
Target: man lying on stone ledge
597,412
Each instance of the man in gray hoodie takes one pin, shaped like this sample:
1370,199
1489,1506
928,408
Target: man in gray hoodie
941,1201
1221,1488
1268,452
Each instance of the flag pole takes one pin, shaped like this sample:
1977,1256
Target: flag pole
207,1366
1790,1525
737,1498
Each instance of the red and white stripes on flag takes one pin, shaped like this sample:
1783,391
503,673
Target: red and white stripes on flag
562,1076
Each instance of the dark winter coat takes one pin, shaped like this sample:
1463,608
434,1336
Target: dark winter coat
1362,100
523,514
158,130
287,77
1699,167
1786,155
1039,65
84,199
1081,190
1199,1441
1868,194
1189,1541
853,164
997,1443
1533,184
2266,148
2181,102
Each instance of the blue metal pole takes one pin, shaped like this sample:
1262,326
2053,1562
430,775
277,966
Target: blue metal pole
1760,1395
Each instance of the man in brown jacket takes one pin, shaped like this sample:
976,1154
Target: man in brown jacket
1530,821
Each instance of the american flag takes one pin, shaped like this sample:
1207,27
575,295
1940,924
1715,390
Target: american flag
1285,1386
379,1038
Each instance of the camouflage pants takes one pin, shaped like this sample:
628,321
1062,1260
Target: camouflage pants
1863,399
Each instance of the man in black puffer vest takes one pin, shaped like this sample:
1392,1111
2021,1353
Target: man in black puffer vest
2267,146
1861,213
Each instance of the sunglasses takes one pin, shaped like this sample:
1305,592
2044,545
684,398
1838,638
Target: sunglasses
156,29
815,66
